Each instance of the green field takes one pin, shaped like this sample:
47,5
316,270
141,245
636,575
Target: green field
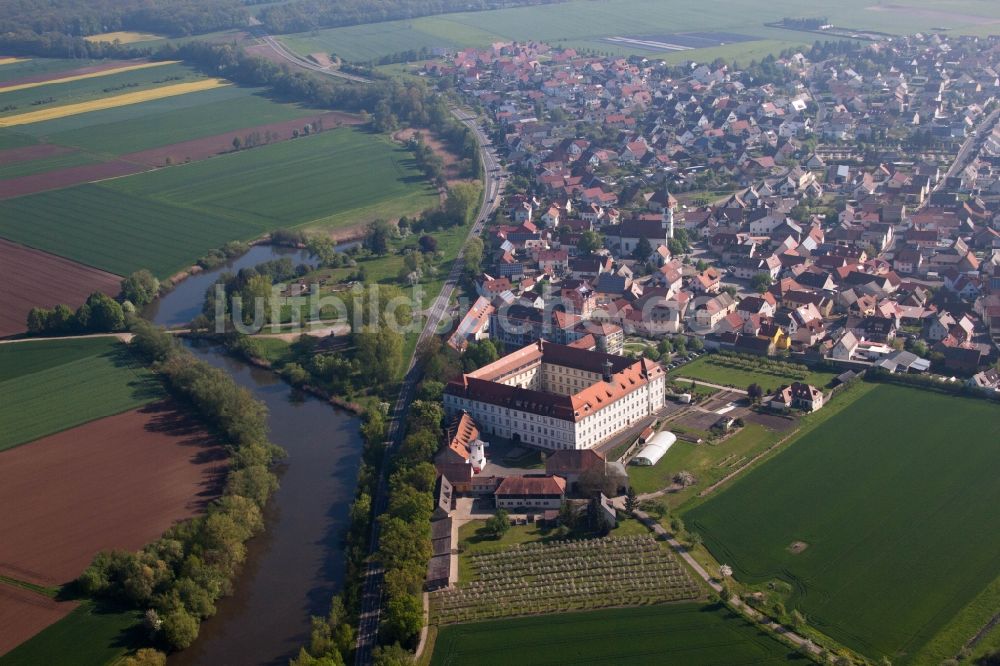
710,368
585,24
89,636
688,634
219,112
896,497
47,386
708,462
28,167
83,90
165,219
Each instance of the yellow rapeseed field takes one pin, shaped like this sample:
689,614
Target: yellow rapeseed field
10,61
111,102
123,37
90,75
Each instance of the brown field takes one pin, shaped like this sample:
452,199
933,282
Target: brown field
32,278
36,152
118,482
200,149
448,158
60,178
24,613
123,37
103,69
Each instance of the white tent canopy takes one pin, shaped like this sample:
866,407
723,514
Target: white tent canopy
655,448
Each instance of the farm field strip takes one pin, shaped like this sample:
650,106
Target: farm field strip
895,496
93,635
117,482
32,278
10,61
7,88
29,357
690,634
24,613
123,37
72,393
112,102
165,219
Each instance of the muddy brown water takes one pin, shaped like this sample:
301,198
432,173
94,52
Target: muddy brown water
297,564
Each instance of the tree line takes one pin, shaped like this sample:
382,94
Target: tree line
90,17
100,313
178,578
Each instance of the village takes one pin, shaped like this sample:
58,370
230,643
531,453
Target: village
706,255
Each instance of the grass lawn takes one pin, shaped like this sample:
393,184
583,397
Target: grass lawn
689,634
164,220
710,368
708,462
89,636
50,389
895,497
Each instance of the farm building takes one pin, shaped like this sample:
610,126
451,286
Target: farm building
655,449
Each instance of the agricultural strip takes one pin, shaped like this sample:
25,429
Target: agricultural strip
688,634
79,75
10,61
165,219
24,613
29,357
895,496
123,37
93,635
68,394
145,126
111,102
118,482
31,278
32,152
67,177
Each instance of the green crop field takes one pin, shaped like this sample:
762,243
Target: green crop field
102,119
28,167
895,497
92,635
38,66
83,90
165,219
688,634
712,368
585,24
51,386
222,110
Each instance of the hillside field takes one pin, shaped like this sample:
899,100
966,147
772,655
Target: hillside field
895,499
52,386
689,634
164,220
584,24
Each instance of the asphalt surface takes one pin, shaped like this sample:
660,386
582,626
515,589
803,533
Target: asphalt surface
493,183
371,603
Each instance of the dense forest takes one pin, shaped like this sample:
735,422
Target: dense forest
91,17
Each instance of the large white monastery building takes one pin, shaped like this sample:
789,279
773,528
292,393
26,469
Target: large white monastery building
558,397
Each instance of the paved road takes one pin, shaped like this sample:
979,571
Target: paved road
493,179
371,604
296,59
963,156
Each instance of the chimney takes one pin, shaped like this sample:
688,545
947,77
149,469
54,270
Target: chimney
606,375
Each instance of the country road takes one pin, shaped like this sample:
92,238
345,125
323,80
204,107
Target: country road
493,182
371,605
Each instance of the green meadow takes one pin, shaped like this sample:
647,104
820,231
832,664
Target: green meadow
895,498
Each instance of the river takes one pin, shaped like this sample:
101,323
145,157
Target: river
297,564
